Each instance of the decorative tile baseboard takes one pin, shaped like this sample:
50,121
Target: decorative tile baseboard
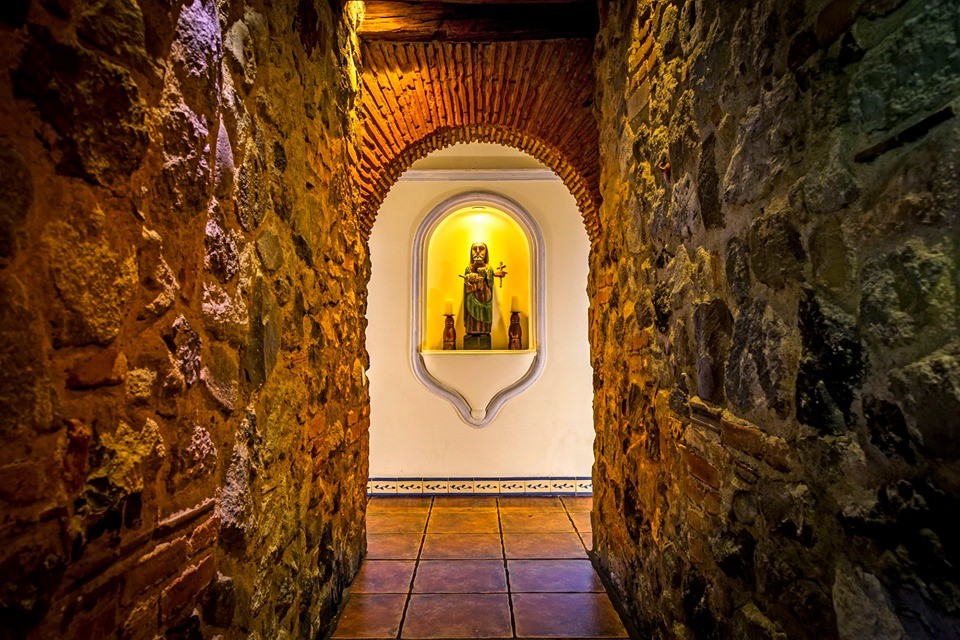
481,486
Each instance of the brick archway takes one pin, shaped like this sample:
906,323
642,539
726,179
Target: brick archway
534,96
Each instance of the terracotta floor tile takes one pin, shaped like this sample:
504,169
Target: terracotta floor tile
384,576
566,615
458,616
582,521
465,502
553,576
546,503
393,546
405,504
461,546
396,522
464,521
371,616
535,521
543,545
460,576
578,503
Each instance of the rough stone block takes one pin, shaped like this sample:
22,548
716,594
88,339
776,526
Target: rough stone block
116,28
25,390
701,468
225,316
220,602
23,483
157,565
708,185
271,253
75,458
222,257
930,393
99,618
907,293
834,19
16,196
832,367
196,52
263,343
141,623
106,368
185,590
94,106
712,328
224,170
862,605
779,455
705,415
762,360
205,535
187,163
830,187
221,377
914,69
744,437
888,428
94,280
776,250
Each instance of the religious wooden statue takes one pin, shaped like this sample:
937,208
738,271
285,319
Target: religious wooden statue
478,297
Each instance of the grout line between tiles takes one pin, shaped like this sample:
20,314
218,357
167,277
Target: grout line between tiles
576,530
573,523
416,566
506,572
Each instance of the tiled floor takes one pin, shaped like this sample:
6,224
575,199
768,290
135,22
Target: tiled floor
473,567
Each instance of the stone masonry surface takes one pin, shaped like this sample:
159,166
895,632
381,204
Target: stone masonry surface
182,294
774,317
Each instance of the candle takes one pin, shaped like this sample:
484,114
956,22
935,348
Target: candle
448,307
515,303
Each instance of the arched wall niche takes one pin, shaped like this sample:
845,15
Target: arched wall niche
453,374
447,249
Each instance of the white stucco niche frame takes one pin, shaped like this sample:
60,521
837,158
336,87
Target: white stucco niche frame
449,373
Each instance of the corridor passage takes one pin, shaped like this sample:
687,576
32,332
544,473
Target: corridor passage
478,567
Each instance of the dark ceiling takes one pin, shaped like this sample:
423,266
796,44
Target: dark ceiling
478,20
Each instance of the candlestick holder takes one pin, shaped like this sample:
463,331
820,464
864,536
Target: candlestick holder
515,333
449,334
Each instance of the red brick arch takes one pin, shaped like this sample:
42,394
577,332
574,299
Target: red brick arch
534,96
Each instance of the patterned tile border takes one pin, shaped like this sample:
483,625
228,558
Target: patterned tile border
571,486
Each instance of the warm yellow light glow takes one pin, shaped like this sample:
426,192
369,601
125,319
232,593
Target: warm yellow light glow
448,254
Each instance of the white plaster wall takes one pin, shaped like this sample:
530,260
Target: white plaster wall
547,430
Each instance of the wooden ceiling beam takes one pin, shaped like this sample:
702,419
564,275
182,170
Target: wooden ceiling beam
478,20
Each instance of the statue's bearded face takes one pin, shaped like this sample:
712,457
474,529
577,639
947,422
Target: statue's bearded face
478,254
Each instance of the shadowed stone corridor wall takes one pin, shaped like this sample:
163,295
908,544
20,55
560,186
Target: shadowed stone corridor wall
777,448
182,294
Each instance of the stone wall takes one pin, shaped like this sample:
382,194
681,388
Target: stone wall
182,284
777,451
